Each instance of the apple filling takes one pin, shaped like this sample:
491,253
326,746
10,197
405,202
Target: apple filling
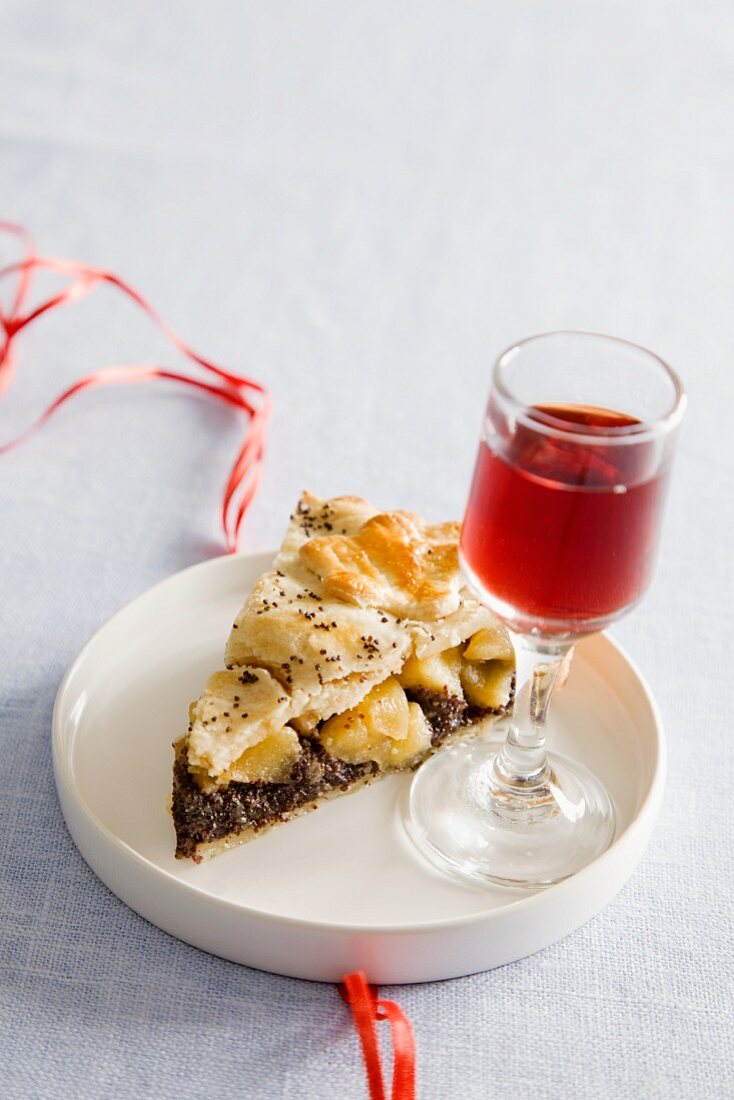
404,716
401,718
384,727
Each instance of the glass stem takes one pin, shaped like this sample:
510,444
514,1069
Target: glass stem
522,763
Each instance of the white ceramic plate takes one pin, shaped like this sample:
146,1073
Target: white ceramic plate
340,889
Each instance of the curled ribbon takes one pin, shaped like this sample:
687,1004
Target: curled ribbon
367,1007
232,389
244,478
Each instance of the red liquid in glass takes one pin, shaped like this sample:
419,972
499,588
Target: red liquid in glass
563,529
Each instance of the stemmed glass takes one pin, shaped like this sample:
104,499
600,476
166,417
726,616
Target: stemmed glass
559,540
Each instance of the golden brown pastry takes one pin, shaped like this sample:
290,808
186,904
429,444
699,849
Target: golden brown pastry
360,653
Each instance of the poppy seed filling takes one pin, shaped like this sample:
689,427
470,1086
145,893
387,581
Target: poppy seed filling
202,816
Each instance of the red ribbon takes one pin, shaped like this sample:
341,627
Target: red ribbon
237,391
232,389
367,1007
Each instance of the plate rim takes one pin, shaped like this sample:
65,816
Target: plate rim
63,775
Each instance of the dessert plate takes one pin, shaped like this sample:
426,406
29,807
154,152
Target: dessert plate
340,889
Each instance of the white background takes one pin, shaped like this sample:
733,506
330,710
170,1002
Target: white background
360,204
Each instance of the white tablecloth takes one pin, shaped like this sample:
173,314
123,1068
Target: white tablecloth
360,204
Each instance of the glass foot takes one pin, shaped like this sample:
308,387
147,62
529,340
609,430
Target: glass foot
468,822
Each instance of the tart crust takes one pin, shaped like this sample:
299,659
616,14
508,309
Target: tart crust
359,654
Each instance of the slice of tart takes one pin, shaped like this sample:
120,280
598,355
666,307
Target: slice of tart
359,654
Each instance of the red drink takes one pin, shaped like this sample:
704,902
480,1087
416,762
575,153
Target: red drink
559,528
